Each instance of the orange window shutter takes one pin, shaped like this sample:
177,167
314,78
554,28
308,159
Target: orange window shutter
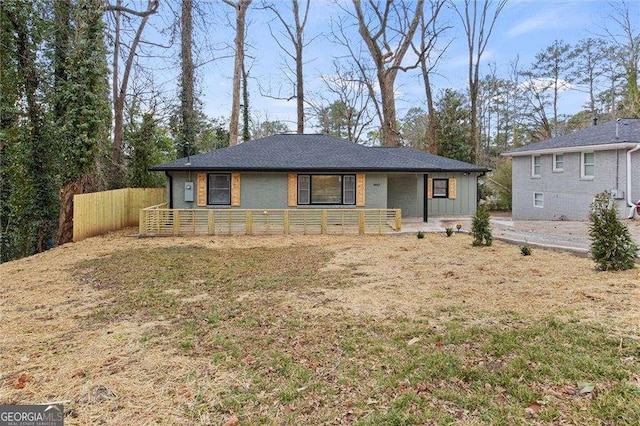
292,196
430,188
235,189
202,189
452,188
360,190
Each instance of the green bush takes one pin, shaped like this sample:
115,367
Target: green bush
612,247
525,250
420,235
449,231
481,227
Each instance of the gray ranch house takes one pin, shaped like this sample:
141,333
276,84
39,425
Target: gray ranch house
558,178
313,171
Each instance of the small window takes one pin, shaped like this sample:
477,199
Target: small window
538,199
219,189
536,165
304,189
588,165
558,162
440,188
349,189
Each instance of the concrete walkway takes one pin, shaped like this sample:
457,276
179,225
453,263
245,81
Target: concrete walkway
570,236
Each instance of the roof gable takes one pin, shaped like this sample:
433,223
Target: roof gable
315,152
610,133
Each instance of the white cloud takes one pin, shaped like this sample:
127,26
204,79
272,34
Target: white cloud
541,21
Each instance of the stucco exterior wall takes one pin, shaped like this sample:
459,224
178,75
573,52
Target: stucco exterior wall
565,194
262,190
177,182
376,187
403,194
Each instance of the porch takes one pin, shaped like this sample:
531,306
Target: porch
159,220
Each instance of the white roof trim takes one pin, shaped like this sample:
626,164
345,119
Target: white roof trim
583,148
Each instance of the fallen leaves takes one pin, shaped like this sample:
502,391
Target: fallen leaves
22,379
533,409
413,341
585,388
232,421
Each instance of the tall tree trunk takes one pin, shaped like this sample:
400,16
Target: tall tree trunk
246,134
241,7
295,33
390,133
65,219
38,167
62,41
299,75
432,120
187,96
430,30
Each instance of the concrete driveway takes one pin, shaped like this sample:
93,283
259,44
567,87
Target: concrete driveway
560,235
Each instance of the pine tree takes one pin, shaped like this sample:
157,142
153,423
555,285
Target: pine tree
612,247
481,227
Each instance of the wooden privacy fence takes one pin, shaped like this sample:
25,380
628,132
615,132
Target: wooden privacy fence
158,220
100,212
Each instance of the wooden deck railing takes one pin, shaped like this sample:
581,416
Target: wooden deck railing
158,220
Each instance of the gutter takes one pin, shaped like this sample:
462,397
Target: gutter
320,170
582,148
630,203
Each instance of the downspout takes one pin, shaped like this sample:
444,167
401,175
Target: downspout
630,203
170,180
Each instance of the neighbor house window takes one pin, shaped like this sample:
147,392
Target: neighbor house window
440,188
588,165
219,189
558,162
536,165
538,199
327,189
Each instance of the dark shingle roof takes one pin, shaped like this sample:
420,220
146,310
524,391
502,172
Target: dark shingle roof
317,152
628,131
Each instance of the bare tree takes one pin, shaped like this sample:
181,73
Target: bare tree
294,32
347,113
363,73
120,82
387,31
626,39
478,22
430,32
240,7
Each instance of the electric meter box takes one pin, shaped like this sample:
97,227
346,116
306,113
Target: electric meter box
188,191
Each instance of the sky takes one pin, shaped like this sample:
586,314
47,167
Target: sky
524,28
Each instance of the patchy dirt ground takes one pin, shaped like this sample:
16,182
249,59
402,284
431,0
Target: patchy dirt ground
48,353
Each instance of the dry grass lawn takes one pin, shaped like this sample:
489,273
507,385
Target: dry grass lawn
318,330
